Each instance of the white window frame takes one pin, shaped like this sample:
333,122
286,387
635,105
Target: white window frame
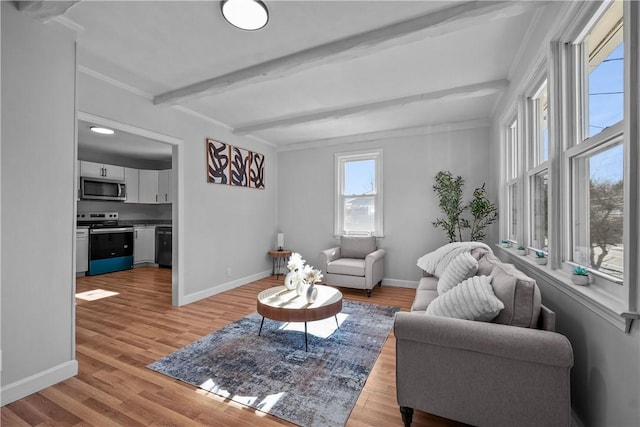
535,165
512,162
341,159
619,305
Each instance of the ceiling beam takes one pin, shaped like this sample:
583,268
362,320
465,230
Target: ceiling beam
44,11
454,18
468,91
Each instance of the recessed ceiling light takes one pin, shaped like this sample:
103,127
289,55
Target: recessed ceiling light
101,130
245,14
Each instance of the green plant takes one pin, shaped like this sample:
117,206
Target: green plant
483,212
580,271
540,254
449,189
521,248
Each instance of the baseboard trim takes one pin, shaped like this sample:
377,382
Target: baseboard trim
197,296
400,283
26,386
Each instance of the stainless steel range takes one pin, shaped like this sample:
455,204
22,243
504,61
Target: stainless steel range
110,244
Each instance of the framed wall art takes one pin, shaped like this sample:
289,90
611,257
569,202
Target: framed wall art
234,166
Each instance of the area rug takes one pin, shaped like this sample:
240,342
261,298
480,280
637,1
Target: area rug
274,374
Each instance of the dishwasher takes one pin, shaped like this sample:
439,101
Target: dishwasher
163,246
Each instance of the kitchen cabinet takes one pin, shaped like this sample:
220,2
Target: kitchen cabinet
101,170
82,250
131,178
148,186
164,186
154,186
144,246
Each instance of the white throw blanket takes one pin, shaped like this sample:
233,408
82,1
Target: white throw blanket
435,262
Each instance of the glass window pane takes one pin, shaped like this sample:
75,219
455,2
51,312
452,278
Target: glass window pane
513,211
360,177
512,151
605,67
540,221
359,214
542,119
598,210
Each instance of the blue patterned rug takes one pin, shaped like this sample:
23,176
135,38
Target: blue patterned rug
272,372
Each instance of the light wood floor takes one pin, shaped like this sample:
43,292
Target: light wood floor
119,335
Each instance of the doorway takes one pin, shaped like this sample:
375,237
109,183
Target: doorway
176,179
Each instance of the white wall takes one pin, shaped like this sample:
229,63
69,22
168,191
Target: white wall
306,195
605,379
225,228
38,126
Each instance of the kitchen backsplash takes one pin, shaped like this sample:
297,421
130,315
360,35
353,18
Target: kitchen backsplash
128,211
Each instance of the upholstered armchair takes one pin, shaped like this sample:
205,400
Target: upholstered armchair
356,263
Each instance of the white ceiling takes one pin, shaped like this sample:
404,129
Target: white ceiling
320,71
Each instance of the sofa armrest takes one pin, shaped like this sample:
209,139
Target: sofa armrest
511,342
327,256
374,268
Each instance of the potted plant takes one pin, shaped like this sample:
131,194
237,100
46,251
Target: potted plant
580,276
541,258
522,250
505,243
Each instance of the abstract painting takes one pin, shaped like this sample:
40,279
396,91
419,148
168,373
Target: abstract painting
235,166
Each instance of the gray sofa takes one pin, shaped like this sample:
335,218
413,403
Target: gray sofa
512,371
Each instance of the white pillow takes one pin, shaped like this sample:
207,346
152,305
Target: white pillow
460,268
472,299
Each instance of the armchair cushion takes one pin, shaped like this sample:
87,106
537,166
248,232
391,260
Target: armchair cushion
348,266
357,247
460,268
473,299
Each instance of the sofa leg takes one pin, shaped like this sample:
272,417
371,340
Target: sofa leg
368,293
407,415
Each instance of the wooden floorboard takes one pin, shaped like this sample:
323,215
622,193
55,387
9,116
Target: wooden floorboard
118,336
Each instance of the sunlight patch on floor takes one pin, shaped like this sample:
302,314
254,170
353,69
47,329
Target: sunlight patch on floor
209,386
95,294
321,328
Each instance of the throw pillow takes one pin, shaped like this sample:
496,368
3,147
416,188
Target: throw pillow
461,267
472,299
519,294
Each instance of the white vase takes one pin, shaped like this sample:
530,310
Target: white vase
522,251
541,261
291,280
580,279
301,288
312,293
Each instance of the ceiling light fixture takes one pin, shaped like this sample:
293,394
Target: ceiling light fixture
245,14
101,130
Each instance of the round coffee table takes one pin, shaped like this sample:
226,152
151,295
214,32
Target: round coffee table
284,305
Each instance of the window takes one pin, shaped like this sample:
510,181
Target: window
538,142
512,181
596,159
359,193
598,209
603,56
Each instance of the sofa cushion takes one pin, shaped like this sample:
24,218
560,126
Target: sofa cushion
486,264
356,247
460,268
520,295
472,299
426,292
346,266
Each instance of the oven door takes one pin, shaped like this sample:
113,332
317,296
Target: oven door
110,249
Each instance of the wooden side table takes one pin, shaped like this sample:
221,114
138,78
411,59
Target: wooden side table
279,259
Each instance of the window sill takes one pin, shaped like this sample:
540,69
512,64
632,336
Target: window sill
592,297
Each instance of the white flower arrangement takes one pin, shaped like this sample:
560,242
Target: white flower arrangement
300,273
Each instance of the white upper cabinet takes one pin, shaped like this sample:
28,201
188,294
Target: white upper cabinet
101,170
148,186
131,178
164,186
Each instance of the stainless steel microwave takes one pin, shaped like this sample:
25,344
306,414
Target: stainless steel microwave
102,189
